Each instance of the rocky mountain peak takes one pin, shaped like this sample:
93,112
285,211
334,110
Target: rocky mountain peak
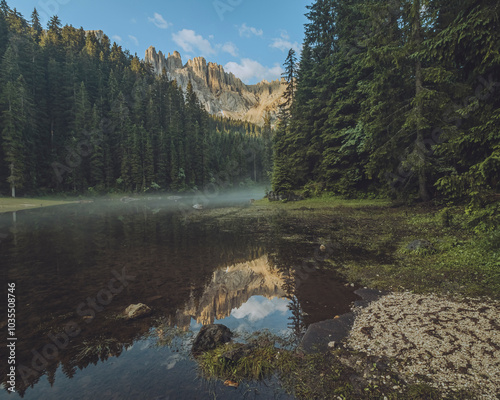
220,92
98,34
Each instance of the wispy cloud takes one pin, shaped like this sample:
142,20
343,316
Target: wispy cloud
134,39
117,38
248,31
159,21
188,40
248,69
284,44
230,47
256,309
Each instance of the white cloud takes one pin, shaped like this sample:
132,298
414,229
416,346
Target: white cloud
257,308
117,38
134,39
249,69
230,48
159,21
189,40
284,44
248,31
284,34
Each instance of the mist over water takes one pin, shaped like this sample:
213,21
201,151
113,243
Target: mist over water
192,266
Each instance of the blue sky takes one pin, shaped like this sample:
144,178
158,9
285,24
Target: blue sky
248,37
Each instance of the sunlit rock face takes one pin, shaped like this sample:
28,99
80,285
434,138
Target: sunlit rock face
230,288
98,34
220,92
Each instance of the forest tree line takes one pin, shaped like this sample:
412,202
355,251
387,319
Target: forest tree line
395,97
80,114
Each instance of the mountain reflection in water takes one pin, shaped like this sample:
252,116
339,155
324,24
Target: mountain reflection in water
190,271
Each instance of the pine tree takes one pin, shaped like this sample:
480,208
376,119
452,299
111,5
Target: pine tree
4,33
36,27
15,122
283,174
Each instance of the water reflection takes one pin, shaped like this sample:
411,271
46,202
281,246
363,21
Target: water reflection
229,288
78,267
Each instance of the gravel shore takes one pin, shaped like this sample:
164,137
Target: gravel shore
446,344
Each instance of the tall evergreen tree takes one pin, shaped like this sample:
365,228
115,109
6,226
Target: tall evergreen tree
283,175
36,27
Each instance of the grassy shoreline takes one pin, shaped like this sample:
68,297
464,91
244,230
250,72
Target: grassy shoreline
370,240
9,204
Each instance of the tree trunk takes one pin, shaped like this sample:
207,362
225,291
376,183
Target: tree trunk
419,143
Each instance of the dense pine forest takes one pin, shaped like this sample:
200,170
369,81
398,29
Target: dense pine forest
81,115
395,97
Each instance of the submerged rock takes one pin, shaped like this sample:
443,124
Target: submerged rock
211,336
137,310
319,335
128,199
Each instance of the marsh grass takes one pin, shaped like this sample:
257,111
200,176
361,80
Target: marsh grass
99,348
370,239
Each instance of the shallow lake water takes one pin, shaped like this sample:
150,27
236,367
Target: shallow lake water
77,267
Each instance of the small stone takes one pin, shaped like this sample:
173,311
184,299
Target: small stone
137,310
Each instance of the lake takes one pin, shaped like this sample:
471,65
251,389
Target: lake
77,268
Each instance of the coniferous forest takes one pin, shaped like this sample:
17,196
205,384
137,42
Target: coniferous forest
395,97
81,115
388,98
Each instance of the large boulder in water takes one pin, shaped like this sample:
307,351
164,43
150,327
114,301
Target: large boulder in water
211,336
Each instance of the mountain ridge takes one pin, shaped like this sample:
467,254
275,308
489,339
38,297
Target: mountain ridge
220,92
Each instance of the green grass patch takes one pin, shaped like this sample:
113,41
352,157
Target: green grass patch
325,201
370,239
9,204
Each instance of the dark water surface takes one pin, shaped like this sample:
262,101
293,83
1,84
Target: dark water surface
77,268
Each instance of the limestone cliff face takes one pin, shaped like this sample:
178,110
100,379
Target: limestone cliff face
220,92
98,34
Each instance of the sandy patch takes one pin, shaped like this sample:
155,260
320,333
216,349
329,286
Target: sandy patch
454,344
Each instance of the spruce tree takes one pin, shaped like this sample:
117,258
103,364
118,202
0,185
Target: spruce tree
283,174
36,27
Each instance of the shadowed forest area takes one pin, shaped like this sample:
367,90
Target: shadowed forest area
82,115
397,98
